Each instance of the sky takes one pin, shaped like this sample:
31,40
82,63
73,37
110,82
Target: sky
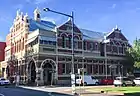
96,15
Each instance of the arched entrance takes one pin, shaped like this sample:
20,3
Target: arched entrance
49,68
47,73
32,69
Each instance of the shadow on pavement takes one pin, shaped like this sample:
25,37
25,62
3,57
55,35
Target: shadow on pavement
132,94
18,91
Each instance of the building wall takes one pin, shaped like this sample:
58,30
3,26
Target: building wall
2,53
3,69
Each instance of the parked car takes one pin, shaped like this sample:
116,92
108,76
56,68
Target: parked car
123,81
3,81
137,81
107,81
88,80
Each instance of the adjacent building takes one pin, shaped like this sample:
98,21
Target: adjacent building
41,52
2,57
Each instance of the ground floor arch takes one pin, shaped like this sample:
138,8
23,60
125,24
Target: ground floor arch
48,67
32,72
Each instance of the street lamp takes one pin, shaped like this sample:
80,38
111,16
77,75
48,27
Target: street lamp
105,41
122,69
72,17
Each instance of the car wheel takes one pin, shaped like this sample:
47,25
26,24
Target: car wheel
85,83
97,83
124,85
133,84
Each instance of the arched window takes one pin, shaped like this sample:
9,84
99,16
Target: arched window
38,15
69,42
75,43
27,21
15,47
63,41
19,45
22,44
91,46
96,46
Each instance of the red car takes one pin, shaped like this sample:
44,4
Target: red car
106,81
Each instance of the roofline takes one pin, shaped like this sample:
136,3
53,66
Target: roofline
2,42
90,30
63,23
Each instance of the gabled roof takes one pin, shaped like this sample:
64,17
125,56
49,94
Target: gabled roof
45,25
92,35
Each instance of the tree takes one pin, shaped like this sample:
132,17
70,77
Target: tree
134,53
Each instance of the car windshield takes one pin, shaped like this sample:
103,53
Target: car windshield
92,77
137,79
126,79
2,79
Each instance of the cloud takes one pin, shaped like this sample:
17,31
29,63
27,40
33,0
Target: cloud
40,1
113,6
49,19
36,2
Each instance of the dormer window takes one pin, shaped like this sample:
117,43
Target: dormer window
38,15
117,35
27,21
69,28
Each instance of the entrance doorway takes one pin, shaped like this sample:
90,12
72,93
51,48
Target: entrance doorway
47,73
33,71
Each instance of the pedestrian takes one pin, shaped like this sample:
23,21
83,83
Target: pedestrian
17,80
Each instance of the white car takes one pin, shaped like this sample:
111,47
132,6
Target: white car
137,81
87,80
123,81
3,81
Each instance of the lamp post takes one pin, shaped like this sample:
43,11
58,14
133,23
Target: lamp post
72,18
122,70
105,54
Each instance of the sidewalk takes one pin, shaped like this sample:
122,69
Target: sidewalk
87,91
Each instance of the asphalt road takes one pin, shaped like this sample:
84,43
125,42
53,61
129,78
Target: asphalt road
12,91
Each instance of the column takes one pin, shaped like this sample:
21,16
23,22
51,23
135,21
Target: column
39,76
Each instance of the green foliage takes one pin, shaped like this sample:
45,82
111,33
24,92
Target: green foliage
134,53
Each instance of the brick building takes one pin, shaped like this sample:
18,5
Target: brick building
2,52
40,51
2,57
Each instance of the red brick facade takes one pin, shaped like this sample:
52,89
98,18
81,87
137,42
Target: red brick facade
2,51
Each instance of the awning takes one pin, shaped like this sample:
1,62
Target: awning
30,40
47,38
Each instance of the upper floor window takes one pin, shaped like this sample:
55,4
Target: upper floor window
91,46
85,45
63,41
76,43
63,68
96,46
69,42
23,44
69,28
27,21
117,35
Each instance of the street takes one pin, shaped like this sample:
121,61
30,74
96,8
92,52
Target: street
12,91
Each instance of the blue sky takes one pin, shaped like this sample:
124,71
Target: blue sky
96,15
